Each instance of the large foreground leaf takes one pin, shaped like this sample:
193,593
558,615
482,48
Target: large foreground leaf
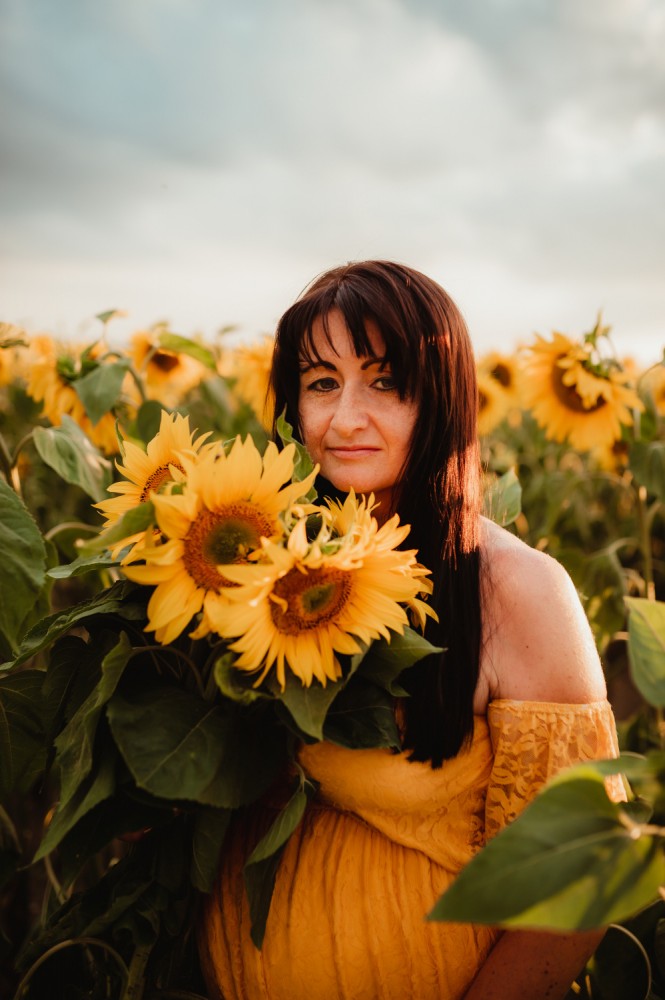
22,567
75,742
261,867
568,862
22,730
178,746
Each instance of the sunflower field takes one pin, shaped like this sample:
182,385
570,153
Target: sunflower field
178,609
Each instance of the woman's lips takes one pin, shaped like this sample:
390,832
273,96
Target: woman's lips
357,451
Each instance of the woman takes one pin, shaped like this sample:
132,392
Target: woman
374,366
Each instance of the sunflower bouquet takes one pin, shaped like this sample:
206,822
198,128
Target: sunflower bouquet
240,618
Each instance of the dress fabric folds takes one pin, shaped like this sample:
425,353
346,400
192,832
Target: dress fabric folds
380,843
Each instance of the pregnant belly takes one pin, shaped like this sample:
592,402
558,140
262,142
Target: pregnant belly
347,921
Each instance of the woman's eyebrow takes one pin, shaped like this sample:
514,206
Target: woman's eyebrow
382,362
308,366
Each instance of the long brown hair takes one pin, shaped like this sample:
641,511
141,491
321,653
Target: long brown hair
428,348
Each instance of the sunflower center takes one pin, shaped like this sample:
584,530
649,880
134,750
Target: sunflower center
225,535
166,361
161,475
503,375
568,395
309,600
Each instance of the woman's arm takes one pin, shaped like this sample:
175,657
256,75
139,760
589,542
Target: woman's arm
539,647
533,965
537,643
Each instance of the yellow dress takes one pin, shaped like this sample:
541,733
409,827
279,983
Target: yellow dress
376,849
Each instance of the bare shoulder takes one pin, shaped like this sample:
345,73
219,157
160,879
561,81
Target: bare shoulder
537,643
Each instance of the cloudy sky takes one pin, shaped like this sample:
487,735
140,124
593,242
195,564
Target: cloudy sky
201,160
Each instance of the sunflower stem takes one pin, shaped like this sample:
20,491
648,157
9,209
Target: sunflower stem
26,439
139,382
8,467
137,966
644,522
70,526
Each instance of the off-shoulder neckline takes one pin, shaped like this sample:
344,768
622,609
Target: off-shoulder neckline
551,706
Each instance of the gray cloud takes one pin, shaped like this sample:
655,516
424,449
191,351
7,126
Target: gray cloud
519,143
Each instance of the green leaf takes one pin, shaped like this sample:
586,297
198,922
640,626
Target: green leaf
148,419
234,683
22,567
384,661
138,519
68,451
620,968
182,345
109,314
179,747
117,600
307,706
503,499
361,717
22,731
89,794
209,834
261,866
100,388
113,817
646,648
75,742
647,463
81,566
92,912
303,464
568,862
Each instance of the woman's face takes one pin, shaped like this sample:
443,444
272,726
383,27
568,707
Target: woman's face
352,419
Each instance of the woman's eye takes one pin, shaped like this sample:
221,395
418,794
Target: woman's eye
326,384
385,382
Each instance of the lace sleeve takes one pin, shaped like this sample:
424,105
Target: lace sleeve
533,741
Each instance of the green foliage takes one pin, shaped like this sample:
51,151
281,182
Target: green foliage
99,390
22,567
502,500
183,345
303,463
68,451
571,861
646,647
134,757
22,731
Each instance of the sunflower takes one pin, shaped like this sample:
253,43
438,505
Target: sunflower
6,373
228,503
309,600
53,370
168,375
11,336
572,397
147,471
493,403
504,370
250,366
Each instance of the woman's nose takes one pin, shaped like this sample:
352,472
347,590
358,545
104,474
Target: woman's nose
350,413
